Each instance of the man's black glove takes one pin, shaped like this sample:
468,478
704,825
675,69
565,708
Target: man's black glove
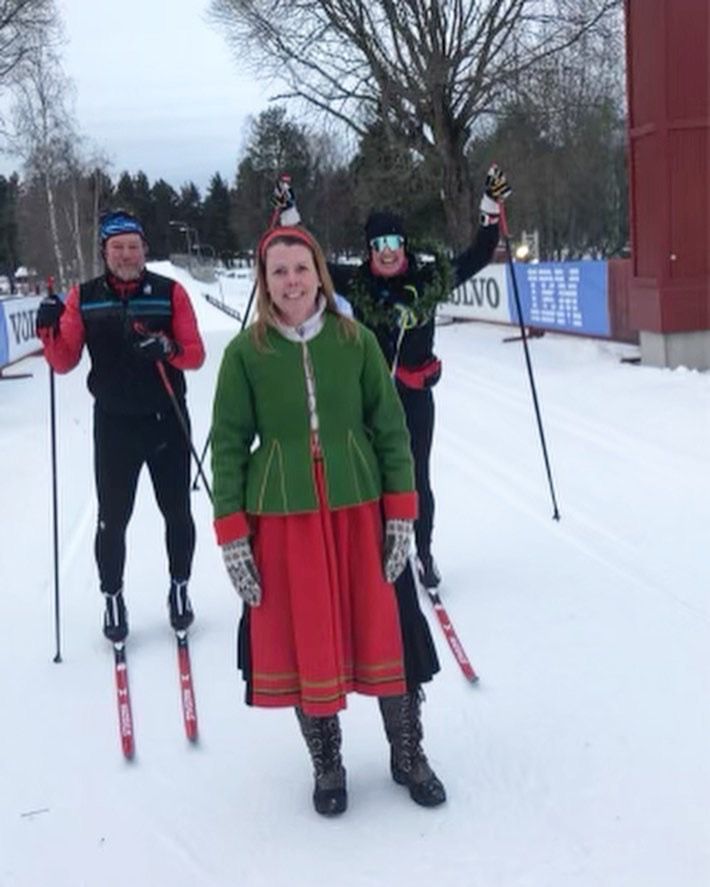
49,313
156,346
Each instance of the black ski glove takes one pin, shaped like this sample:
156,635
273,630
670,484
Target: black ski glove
49,313
156,346
495,191
497,187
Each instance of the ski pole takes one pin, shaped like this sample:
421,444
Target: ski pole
407,321
509,255
274,219
55,498
55,514
208,441
195,483
200,461
272,224
183,422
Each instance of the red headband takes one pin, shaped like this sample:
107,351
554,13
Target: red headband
297,233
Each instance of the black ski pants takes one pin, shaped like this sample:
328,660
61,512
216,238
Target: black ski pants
122,445
419,411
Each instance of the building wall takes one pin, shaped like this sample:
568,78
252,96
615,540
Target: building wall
668,82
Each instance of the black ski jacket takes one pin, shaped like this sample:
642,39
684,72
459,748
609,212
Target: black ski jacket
372,296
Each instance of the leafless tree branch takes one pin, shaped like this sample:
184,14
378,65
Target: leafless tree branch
421,66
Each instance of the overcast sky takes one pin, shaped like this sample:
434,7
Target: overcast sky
157,88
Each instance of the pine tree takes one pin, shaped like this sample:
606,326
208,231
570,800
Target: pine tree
165,210
9,255
216,213
275,145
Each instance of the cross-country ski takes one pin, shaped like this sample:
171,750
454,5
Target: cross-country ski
123,700
451,637
187,692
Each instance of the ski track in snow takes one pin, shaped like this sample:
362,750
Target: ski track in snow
523,489
580,760
603,435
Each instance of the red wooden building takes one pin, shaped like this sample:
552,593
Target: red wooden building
668,81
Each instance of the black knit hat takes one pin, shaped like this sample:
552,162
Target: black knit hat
381,222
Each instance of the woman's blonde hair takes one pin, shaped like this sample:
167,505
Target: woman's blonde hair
265,309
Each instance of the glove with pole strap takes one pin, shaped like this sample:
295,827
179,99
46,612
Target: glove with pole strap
495,191
284,202
155,346
49,314
398,542
242,570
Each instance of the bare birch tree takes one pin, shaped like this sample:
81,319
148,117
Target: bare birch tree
100,190
21,21
44,135
561,131
429,69
72,214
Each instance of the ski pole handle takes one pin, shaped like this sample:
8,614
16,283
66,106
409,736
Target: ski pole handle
183,423
504,230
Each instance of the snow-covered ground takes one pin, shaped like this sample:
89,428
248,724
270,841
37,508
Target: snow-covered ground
580,760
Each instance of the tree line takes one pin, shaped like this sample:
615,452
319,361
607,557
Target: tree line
569,186
549,108
174,221
436,78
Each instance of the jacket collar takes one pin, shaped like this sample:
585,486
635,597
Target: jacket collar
307,330
125,289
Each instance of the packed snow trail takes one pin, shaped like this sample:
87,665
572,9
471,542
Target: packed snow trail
580,758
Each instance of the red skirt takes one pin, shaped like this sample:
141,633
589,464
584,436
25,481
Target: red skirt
328,622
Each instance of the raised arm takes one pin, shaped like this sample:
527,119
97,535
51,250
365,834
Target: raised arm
61,331
287,214
479,254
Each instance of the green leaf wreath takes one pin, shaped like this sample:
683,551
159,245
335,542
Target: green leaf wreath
374,313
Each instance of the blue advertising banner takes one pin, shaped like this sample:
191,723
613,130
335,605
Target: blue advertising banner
3,337
21,338
565,296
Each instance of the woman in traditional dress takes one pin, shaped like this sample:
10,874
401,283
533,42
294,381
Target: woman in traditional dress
314,508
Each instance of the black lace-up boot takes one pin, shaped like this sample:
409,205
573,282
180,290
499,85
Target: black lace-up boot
323,738
403,725
115,617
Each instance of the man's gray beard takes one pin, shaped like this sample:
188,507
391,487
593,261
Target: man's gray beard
135,275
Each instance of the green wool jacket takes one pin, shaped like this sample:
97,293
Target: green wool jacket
261,397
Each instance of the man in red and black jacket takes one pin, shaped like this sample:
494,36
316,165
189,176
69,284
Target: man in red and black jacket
130,320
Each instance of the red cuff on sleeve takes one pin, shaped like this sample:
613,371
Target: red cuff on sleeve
230,527
401,505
